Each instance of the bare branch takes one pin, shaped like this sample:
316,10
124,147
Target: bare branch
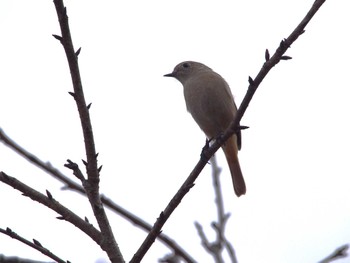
109,243
51,203
70,184
253,85
34,244
5,259
340,252
216,247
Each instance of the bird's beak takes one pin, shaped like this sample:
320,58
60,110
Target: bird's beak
169,75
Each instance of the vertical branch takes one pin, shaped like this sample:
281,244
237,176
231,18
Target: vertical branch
92,184
216,248
222,216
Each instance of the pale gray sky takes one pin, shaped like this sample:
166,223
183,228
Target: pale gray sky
295,156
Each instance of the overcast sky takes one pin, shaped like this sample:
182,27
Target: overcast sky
295,155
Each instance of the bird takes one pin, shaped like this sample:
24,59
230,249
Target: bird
210,102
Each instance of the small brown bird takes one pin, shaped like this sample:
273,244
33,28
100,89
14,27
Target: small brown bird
210,102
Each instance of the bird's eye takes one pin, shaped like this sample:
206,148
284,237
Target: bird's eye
186,65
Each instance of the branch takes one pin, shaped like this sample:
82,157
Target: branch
340,252
70,184
5,259
109,243
51,203
35,244
215,248
234,127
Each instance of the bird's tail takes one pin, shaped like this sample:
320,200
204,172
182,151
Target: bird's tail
230,149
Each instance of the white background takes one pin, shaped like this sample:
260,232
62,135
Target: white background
295,156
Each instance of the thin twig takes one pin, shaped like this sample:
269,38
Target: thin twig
109,243
51,203
70,184
254,84
35,244
222,216
340,252
6,259
216,247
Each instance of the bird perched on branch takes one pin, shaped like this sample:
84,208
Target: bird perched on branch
210,102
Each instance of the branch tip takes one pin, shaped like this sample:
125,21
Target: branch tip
242,127
267,55
5,176
36,242
78,52
59,38
49,195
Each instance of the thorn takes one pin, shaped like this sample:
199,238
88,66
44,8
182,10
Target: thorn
96,155
59,38
243,127
78,52
9,230
282,43
250,80
302,32
86,220
267,55
36,242
88,106
99,168
65,11
49,195
84,162
286,58
214,225
72,94
71,165
60,217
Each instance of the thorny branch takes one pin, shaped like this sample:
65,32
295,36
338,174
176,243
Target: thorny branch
340,252
72,185
253,85
35,244
51,203
91,187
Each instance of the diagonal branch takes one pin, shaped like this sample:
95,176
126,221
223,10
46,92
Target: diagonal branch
109,243
51,203
234,127
35,244
70,184
340,252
